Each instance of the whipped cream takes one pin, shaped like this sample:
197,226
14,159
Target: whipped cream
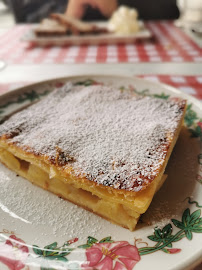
124,21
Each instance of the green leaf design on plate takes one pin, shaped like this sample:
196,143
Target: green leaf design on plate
53,252
85,246
195,216
153,238
167,230
51,246
45,268
144,92
29,96
37,250
193,202
190,116
158,233
196,132
186,217
162,236
106,240
178,224
49,249
188,234
162,95
178,238
87,82
165,250
190,223
91,241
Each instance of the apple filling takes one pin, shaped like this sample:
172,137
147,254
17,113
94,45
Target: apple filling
121,210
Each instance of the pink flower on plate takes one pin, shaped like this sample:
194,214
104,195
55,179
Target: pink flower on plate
111,256
173,250
200,124
13,253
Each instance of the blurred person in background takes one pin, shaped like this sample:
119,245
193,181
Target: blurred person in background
103,9
94,9
35,10
32,11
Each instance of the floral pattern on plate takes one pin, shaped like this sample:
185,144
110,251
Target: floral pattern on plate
106,253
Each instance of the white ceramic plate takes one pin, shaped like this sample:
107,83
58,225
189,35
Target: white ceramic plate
38,230
143,33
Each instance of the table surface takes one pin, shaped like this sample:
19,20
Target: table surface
13,73
16,72
167,44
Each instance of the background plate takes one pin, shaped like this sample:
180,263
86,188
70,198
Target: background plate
143,33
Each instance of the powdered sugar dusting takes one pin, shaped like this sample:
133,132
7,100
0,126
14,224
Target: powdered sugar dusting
112,137
41,208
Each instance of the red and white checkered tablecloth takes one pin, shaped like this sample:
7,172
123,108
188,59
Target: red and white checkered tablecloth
187,84
169,44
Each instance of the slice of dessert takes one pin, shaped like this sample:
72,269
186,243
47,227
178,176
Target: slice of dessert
78,27
99,147
50,27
